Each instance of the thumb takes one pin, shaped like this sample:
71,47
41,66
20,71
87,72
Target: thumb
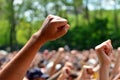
62,30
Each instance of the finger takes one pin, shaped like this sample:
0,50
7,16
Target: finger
69,65
118,49
62,30
110,44
68,70
101,52
90,71
101,47
58,22
61,49
106,57
50,17
107,49
54,16
110,47
47,20
55,19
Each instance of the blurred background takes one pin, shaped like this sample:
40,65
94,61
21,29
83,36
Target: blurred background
91,21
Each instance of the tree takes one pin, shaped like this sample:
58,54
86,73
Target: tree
116,15
87,16
12,22
77,8
100,5
44,6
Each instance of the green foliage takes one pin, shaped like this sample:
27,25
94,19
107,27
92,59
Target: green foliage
84,36
85,33
4,33
25,30
115,37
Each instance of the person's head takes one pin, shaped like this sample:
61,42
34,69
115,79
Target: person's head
36,74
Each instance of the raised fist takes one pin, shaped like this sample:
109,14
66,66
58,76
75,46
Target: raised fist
53,27
104,52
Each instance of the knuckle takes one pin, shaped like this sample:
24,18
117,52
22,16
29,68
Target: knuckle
50,16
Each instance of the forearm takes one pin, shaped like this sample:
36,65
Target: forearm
55,76
53,68
52,28
116,77
61,77
104,52
13,70
104,73
116,68
80,75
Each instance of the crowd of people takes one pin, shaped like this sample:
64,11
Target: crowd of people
71,65
101,63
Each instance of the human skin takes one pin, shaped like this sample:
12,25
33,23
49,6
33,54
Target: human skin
85,73
117,65
104,53
52,28
66,71
56,61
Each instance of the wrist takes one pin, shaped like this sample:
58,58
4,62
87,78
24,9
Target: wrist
38,38
62,77
104,65
104,72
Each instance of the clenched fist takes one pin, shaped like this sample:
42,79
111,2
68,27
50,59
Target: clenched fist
104,52
53,27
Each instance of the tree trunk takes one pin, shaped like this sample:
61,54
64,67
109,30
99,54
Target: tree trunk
101,11
76,15
12,24
116,17
87,12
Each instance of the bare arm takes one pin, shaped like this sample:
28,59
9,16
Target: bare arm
64,73
85,73
104,53
20,63
55,76
57,59
104,72
52,28
117,65
116,77
80,75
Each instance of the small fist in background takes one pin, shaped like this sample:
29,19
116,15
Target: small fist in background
104,52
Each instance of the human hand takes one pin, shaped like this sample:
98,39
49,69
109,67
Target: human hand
59,55
61,49
67,69
104,52
118,50
87,72
116,68
53,27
